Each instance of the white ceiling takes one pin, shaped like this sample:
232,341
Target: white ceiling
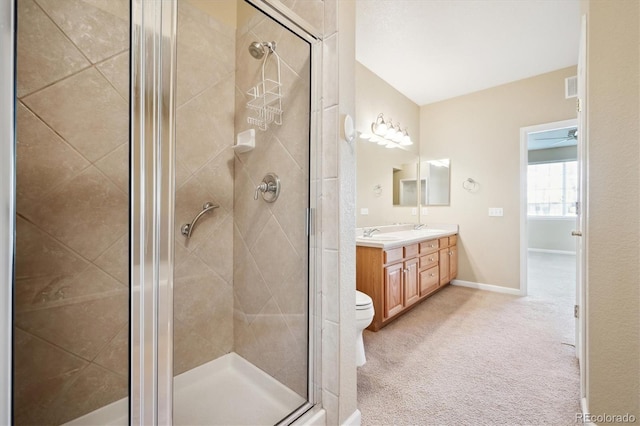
431,50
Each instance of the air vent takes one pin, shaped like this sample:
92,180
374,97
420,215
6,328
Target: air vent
571,87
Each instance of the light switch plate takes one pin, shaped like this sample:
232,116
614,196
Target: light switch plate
424,211
414,211
364,211
496,211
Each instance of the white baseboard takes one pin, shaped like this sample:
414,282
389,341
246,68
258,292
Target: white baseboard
584,407
355,419
487,287
552,251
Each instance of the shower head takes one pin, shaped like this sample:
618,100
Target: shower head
258,49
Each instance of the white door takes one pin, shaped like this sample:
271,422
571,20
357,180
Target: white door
581,210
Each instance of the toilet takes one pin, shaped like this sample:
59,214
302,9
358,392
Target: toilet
364,316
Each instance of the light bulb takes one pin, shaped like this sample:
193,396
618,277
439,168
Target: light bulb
379,127
406,140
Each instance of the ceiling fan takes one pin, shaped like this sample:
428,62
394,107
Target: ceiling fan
572,135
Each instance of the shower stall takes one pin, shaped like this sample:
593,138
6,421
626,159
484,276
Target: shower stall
166,262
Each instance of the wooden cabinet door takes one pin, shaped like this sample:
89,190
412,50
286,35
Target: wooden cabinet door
453,262
444,266
411,285
393,291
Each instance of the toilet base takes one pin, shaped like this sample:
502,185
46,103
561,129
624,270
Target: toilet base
361,359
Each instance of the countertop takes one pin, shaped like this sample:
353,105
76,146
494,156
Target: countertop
392,236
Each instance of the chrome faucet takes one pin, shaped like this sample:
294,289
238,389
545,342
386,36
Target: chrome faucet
418,226
369,232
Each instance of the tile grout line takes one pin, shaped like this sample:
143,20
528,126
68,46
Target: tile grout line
62,243
66,351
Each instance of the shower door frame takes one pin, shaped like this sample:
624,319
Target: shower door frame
153,85
307,32
7,201
153,72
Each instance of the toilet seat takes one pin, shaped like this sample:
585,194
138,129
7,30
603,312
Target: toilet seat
363,301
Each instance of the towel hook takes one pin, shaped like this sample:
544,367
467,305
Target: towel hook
470,184
187,228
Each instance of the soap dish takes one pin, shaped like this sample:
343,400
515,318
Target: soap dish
245,141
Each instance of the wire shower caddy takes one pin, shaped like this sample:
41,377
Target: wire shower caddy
266,96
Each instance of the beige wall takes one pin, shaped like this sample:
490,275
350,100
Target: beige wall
613,233
269,241
203,275
480,133
71,277
375,163
224,11
340,16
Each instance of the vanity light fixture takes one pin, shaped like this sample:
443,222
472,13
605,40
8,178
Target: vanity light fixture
386,133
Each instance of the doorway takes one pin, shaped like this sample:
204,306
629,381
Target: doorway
549,196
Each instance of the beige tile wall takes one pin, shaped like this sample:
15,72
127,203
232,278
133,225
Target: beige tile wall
239,284
270,242
72,175
203,276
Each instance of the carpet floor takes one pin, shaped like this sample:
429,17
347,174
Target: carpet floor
472,357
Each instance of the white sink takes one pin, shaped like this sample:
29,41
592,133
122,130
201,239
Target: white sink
380,237
419,233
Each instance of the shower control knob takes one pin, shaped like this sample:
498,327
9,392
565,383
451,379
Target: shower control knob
269,188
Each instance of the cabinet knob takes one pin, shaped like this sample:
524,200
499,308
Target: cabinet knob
576,233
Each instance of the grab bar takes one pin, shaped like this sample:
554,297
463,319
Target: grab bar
187,228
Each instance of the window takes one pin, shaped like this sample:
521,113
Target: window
552,189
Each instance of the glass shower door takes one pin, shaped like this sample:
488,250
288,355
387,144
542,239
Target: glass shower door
241,281
71,286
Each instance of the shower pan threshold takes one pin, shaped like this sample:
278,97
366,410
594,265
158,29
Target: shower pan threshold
243,395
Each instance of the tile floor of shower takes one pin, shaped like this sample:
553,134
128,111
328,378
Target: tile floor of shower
215,394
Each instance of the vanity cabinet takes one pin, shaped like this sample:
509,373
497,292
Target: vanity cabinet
448,259
401,288
398,278
393,290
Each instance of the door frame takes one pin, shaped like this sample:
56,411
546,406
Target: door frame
524,162
582,351
7,200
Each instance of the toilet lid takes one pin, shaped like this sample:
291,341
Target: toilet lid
362,300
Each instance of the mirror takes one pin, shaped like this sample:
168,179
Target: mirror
436,175
405,185
380,172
